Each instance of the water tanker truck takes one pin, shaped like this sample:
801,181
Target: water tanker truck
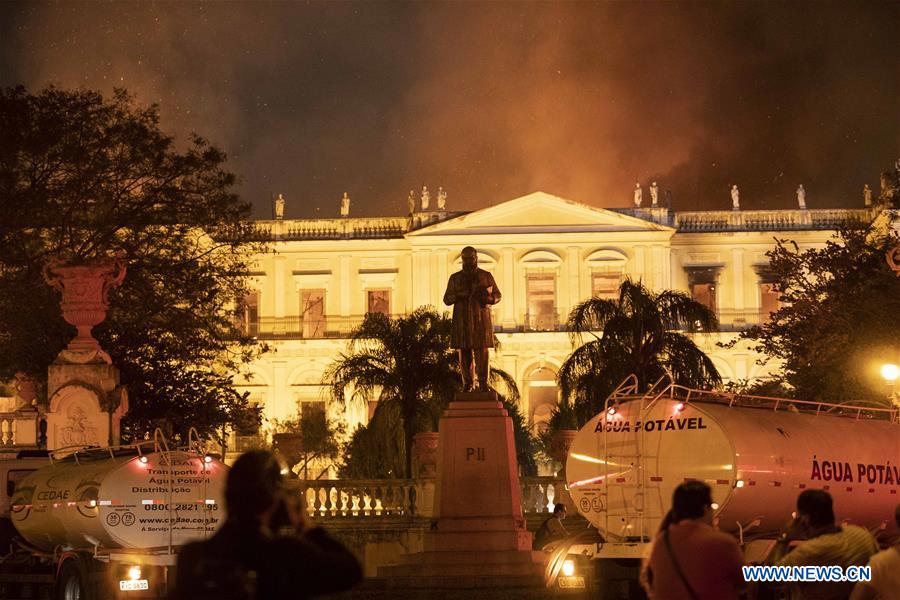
757,454
107,523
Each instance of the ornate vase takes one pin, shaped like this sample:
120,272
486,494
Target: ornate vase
26,390
560,443
425,446
85,295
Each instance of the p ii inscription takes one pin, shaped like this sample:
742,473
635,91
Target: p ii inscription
476,454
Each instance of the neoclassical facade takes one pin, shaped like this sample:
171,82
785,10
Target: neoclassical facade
546,254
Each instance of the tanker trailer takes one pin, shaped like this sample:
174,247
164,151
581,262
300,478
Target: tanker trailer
107,523
757,454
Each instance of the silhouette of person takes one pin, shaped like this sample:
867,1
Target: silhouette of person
266,548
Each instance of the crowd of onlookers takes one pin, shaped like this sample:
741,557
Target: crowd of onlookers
268,549
690,559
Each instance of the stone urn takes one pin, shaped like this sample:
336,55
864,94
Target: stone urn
289,445
85,295
425,446
26,390
560,442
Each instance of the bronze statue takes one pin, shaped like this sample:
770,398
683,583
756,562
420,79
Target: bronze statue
472,292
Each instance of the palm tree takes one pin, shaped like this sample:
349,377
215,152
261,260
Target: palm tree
407,362
404,360
639,332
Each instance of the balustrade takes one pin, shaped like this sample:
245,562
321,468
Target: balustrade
768,220
392,499
18,429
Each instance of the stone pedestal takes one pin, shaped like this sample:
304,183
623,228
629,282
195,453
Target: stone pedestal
86,401
480,539
86,404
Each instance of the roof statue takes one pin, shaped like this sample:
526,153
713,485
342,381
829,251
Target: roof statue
426,198
345,205
654,195
279,207
411,202
801,197
441,199
867,195
735,197
638,194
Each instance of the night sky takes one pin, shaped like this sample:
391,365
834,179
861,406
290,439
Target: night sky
493,101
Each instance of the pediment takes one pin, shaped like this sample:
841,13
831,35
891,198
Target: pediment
538,212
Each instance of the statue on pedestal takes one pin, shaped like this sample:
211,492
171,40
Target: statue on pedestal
471,292
735,197
638,194
345,205
411,202
867,195
441,199
279,207
426,198
654,195
801,197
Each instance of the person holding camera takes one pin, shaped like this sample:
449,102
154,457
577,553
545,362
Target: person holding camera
824,543
266,549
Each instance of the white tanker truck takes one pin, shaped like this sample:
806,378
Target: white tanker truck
757,454
106,523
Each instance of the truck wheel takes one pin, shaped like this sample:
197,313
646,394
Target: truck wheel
72,582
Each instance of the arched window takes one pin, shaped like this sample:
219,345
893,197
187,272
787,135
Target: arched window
542,396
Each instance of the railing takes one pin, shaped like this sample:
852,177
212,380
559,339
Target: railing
769,220
543,322
304,328
360,498
349,228
298,328
665,388
19,429
539,494
738,320
386,499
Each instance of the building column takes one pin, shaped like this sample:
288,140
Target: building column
344,278
657,266
440,280
640,264
283,402
737,274
508,289
280,276
573,272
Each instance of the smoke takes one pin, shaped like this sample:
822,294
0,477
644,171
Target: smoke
492,101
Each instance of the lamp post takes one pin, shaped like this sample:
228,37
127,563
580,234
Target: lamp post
890,372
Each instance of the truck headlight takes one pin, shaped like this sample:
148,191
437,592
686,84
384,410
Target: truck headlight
568,567
134,573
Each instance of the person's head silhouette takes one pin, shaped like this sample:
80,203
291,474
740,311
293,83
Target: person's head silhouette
254,486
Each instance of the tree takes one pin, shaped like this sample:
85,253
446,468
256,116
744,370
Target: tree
83,177
640,332
838,317
408,364
319,438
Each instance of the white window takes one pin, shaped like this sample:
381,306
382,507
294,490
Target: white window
312,313
540,292
378,301
605,284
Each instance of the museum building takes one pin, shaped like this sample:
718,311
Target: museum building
546,254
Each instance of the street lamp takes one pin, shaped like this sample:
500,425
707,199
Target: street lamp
890,372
